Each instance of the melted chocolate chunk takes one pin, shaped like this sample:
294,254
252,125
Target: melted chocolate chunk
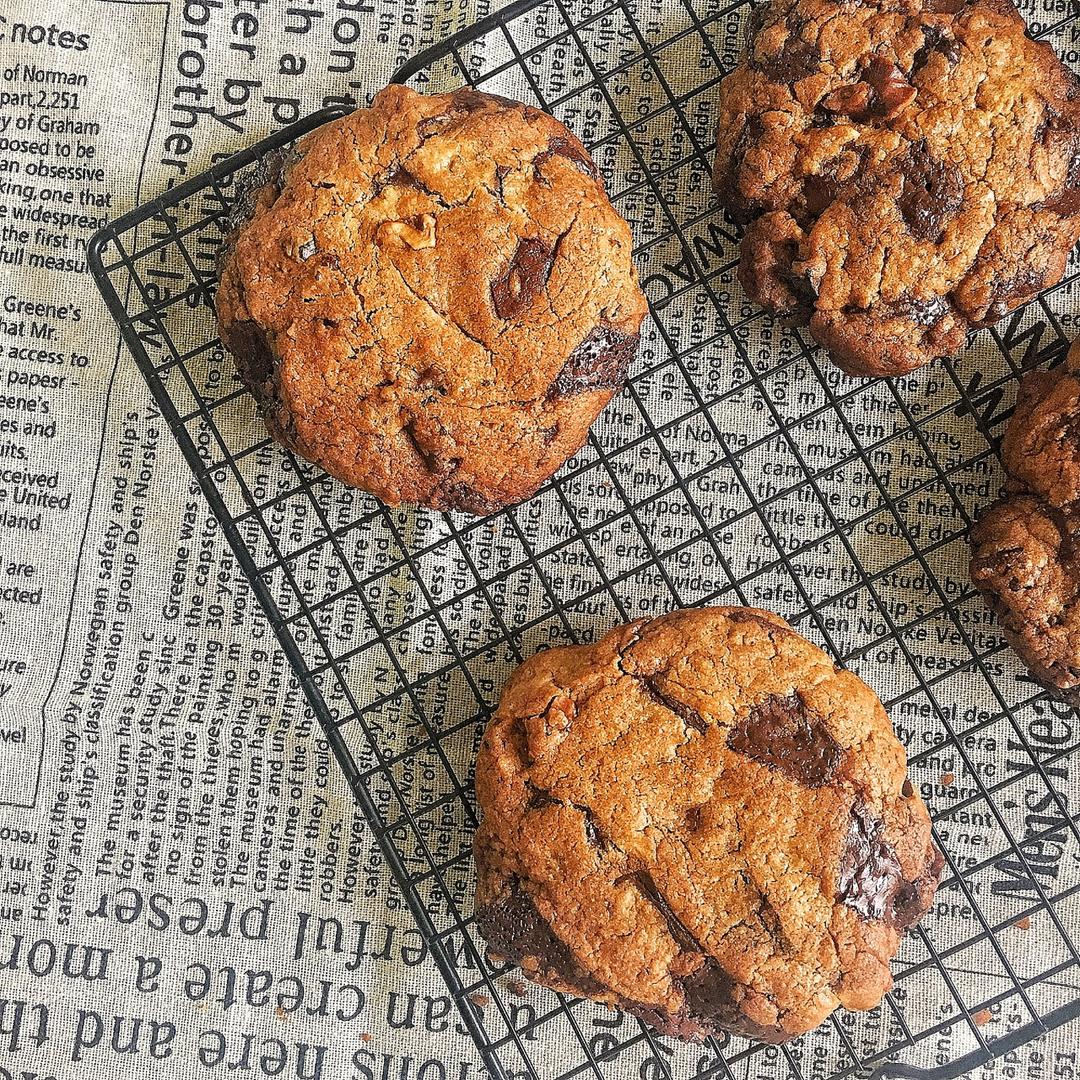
926,312
931,194
784,734
796,60
1066,200
432,462
710,1006
539,798
501,173
690,717
600,362
945,7
880,94
399,176
525,278
905,904
822,190
935,40
738,207
1012,291
255,361
307,249
711,996
463,102
819,193
563,147
592,833
869,876
709,993
767,270
676,927
514,929
460,496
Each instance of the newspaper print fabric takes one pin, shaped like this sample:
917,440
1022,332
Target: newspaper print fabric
192,888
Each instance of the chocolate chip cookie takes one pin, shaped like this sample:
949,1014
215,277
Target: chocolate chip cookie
905,170
1025,556
432,298
704,821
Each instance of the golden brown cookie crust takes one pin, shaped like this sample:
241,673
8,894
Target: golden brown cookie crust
433,298
1025,557
704,821
906,170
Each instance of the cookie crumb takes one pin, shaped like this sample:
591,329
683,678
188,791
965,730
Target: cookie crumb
280,1013
516,987
366,1037
981,1017
948,779
481,1001
1023,923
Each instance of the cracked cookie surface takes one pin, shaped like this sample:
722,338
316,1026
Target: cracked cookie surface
432,298
906,170
1025,554
702,820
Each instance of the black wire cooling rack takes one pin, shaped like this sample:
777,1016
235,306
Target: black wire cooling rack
738,467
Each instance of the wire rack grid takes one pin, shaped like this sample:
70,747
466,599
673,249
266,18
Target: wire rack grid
737,467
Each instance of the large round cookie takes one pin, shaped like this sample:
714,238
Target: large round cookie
702,820
905,169
1025,557
433,298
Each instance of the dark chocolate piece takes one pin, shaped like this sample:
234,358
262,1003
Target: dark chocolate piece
515,929
932,193
869,876
255,360
676,927
796,60
935,40
525,278
560,147
784,734
690,717
463,102
599,362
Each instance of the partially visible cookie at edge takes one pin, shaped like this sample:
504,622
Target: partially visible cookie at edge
1025,554
702,820
432,298
906,170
